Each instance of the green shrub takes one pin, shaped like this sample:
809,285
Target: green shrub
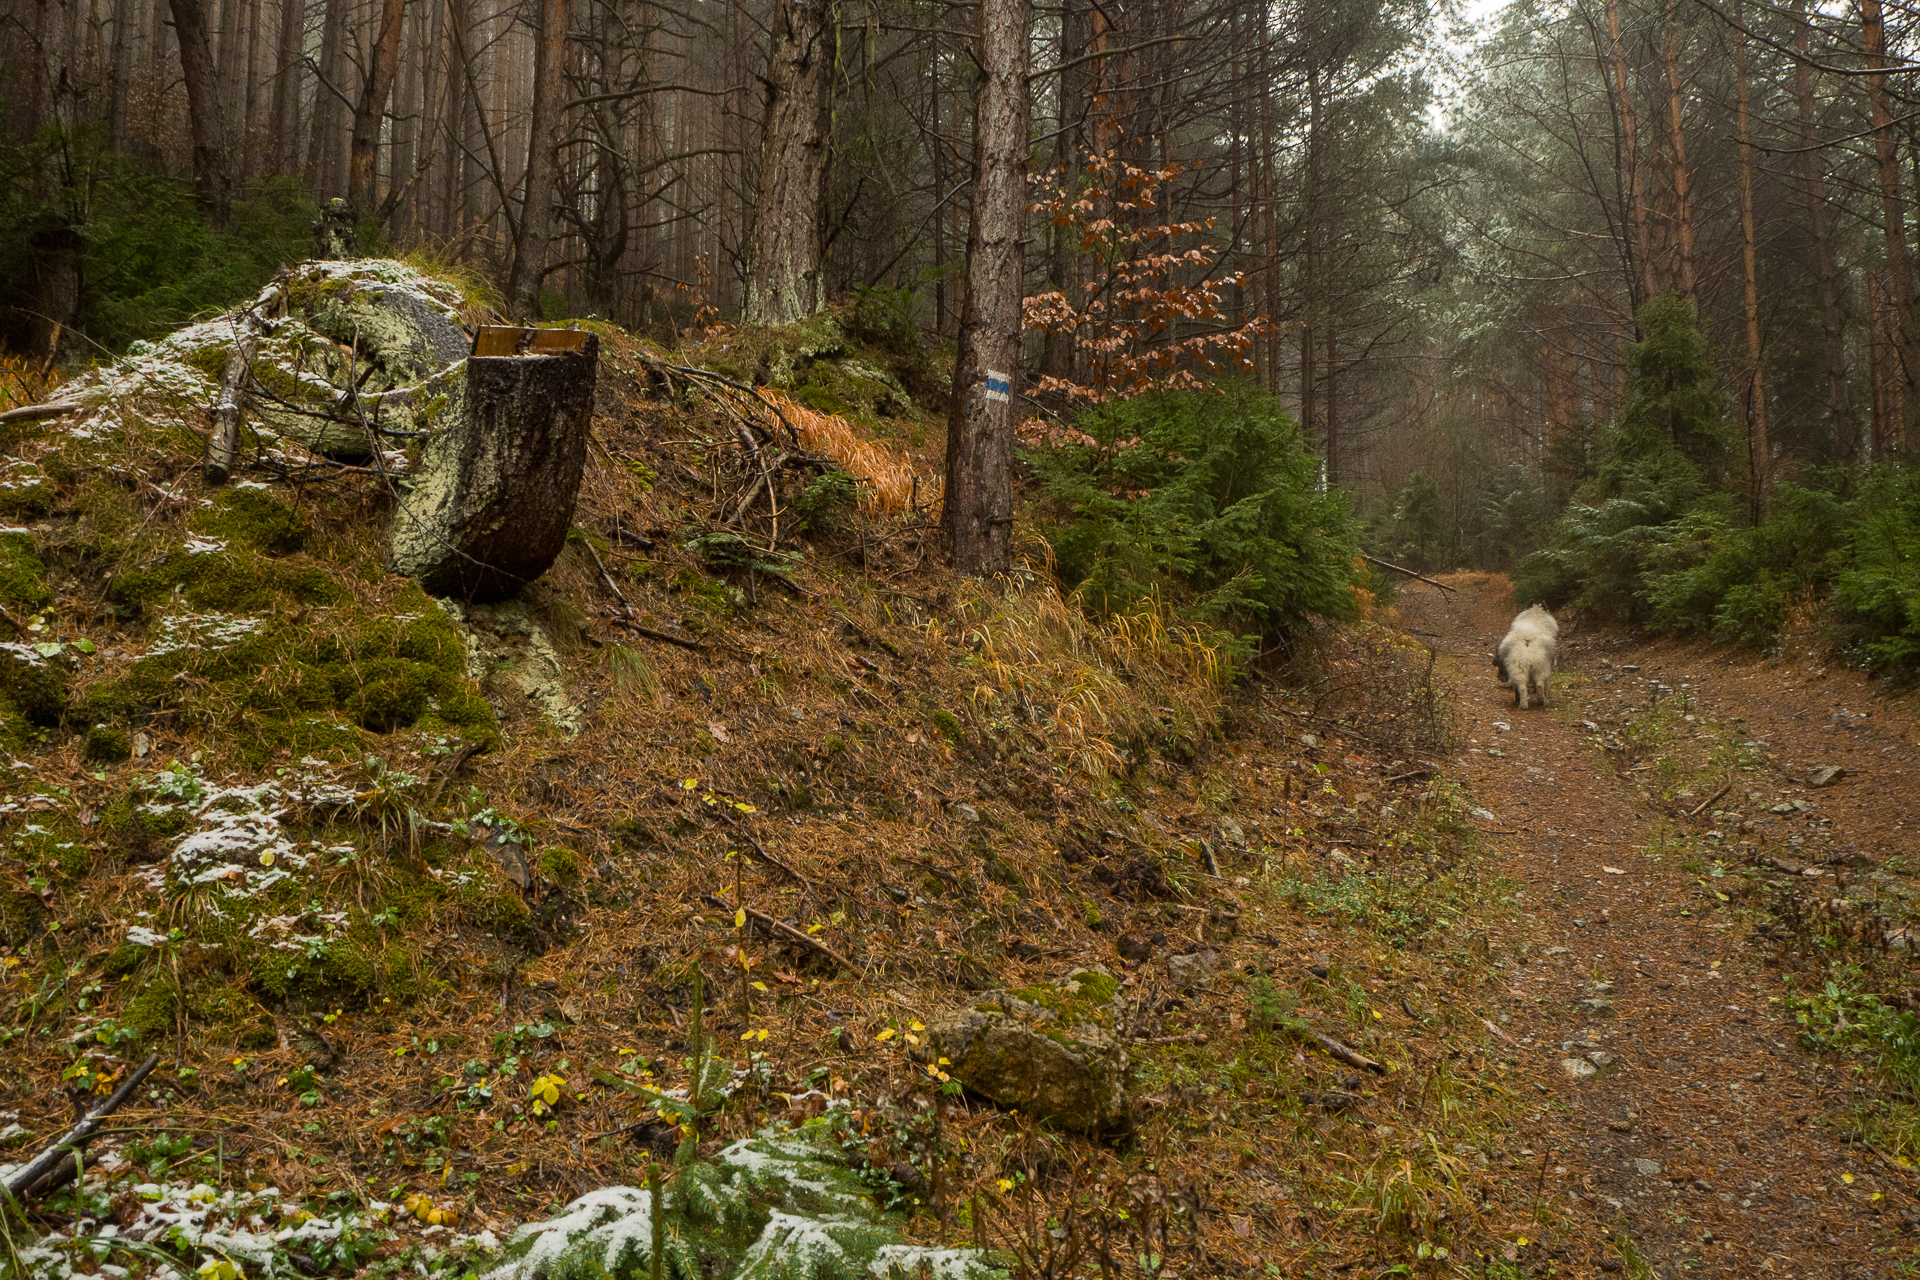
1740,582
1209,499
1876,596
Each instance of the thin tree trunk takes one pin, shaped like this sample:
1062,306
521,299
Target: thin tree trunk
1756,377
323,144
287,74
1069,159
789,216
1677,144
979,497
1310,284
203,108
1636,182
543,140
1827,277
230,68
363,175
1893,205
122,76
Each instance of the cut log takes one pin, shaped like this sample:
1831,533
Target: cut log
495,495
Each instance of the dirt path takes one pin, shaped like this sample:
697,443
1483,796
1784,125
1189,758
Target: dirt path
1701,1133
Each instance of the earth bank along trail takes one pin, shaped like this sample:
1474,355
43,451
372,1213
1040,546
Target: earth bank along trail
1642,995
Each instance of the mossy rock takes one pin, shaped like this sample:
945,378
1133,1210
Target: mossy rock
23,918
106,744
251,516
340,968
23,575
34,685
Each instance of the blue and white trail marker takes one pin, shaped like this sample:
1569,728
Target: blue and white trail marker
999,386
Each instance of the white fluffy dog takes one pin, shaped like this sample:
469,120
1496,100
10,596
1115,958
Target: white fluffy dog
1525,658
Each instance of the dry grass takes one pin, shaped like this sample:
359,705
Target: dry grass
24,381
890,483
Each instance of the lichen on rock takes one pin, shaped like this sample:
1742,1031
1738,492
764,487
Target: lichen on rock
1052,1051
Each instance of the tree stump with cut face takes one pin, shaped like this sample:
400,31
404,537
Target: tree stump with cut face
495,494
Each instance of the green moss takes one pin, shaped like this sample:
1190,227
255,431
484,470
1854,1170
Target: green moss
309,684
230,581
560,864
106,744
210,360
820,399
23,575
154,1010
124,959
255,518
25,491
23,917
1100,988
949,726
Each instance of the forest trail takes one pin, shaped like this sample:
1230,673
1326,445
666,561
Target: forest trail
1707,1135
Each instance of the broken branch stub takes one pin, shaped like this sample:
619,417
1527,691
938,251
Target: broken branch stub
495,494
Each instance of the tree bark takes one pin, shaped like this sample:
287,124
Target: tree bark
543,140
363,176
287,73
1636,182
1756,374
789,214
979,499
1069,159
1677,147
203,108
323,143
1893,205
1839,392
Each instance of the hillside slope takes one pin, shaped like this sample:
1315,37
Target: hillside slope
430,910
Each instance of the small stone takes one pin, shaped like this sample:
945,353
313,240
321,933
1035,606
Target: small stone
1826,775
142,746
1309,740
1620,1126
1600,1058
1193,970
1233,833
1701,1184
1579,1068
966,813
1647,1168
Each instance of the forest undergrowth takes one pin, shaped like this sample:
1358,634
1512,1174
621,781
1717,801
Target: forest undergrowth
438,920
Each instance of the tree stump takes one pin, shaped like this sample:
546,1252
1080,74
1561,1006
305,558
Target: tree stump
494,499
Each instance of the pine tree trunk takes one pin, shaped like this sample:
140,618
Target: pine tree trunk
789,215
1677,154
543,140
1827,277
323,143
1636,182
363,151
1756,375
203,108
288,71
979,497
1069,159
1893,205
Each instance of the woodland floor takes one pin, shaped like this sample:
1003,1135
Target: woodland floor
1711,1139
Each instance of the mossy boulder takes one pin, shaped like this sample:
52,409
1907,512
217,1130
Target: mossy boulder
33,684
1050,1051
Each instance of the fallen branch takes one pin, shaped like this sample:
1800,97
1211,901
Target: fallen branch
229,406
1186,1037
786,931
1708,802
1344,1054
35,412
20,1180
661,636
1410,573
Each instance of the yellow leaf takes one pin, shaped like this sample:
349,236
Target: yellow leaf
1847,1178
813,928
917,1025
746,1035
885,1035
763,1033
688,784
759,986
1005,1185
740,918
266,858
